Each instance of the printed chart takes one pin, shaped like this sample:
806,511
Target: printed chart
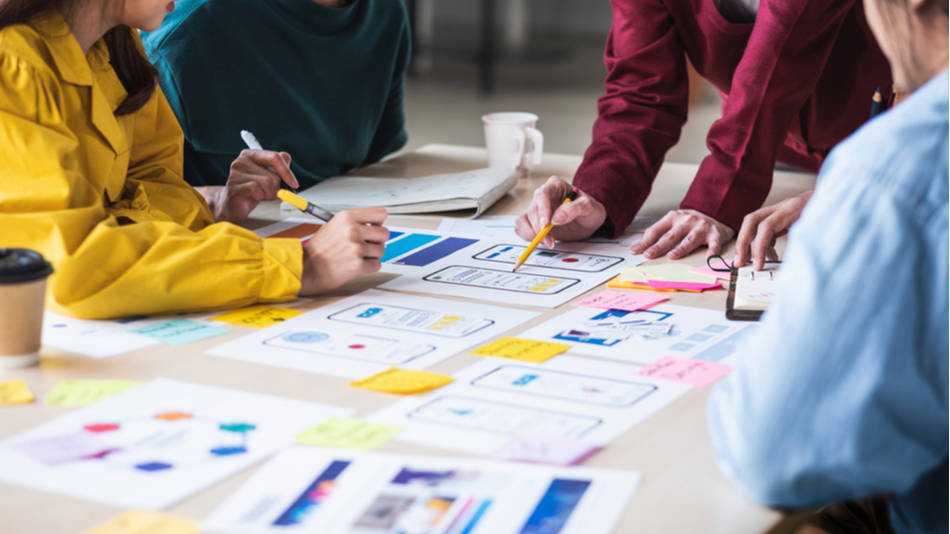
479,266
495,400
320,490
155,444
645,335
372,331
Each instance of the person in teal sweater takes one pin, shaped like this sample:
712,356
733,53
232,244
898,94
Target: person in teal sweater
322,80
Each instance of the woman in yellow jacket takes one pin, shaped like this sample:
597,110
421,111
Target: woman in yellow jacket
91,177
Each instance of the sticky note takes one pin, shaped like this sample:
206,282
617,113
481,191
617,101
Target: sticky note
402,381
632,274
177,332
684,286
540,450
618,300
139,522
526,350
706,270
85,392
672,272
347,433
15,392
697,373
257,316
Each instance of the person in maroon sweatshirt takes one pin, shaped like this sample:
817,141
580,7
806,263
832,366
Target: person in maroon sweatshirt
797,77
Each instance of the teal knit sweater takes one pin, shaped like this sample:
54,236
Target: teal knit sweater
325,85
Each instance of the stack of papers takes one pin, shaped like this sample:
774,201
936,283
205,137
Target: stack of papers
664,277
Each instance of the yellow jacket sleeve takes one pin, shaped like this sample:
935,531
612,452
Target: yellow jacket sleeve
171,258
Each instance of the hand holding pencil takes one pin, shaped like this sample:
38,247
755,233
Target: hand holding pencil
571,196
574,221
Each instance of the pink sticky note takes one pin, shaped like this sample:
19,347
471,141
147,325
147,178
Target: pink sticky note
708,271
687,286
619,300
540,450
697,373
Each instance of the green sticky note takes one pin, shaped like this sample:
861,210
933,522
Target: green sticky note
85,392
347,433
177,332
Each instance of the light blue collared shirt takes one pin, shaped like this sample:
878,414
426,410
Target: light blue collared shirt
841,391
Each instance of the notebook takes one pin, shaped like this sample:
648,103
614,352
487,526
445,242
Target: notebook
470,191
751,291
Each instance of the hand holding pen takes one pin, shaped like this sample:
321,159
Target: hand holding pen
255,176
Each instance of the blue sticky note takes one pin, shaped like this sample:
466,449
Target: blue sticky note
177,332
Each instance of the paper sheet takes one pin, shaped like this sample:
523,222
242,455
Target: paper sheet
402,381
139,522
503,227
492,402
373,331
644,336
526,350
155,444
481,267
337,492
257,316
85,392
97,339
15,392
551,451
347,433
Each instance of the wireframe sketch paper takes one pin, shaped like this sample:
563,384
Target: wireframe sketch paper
645,335
155,444
372,331
474,191
495,400
97,339
337,492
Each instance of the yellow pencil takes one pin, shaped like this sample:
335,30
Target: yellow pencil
304,205
542,234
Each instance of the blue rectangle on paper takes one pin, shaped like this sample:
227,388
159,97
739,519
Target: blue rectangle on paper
555,507
723,348
436,252
177,332
397,248
394,234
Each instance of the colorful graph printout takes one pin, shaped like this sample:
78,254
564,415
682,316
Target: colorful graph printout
331,492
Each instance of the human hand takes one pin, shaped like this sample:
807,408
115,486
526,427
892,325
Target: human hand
350,245
255,176
573,221
760,228
680,232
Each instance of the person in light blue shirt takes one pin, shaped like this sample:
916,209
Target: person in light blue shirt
841,393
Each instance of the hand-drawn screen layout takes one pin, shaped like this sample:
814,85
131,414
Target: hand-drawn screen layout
372,331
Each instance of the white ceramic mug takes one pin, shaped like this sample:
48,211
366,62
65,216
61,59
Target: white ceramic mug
513,141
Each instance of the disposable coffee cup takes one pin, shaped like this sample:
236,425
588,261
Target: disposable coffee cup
23,274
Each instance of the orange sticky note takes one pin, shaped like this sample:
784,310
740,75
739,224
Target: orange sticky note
402,381
526,350
15,392
697,373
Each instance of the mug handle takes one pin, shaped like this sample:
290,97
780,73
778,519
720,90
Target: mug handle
537,144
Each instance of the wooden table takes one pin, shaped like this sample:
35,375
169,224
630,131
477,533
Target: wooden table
681,489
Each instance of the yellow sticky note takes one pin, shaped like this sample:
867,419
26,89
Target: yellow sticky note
617,283
257,316
631,274
526,350
15,392
402,382
84,392
672,272
347,433
138,522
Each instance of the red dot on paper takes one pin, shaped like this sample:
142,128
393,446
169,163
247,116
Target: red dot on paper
102,427
570,260
357,346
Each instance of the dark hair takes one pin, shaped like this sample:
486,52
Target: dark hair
133,69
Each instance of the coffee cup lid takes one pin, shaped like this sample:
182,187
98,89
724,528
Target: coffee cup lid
19,265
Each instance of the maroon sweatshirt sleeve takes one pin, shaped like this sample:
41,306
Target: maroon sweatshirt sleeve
779,70
641,112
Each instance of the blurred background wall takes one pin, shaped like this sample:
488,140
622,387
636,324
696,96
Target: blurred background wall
473,57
